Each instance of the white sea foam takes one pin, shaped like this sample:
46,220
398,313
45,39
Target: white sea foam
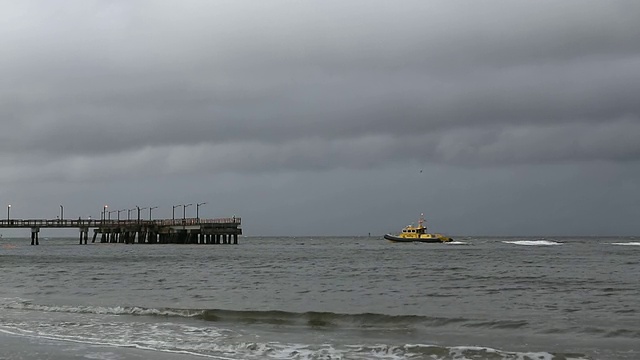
533,242
102,356
456,243
461,352
5,330
231,350
17,304
627,244
122,342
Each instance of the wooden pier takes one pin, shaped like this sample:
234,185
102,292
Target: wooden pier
171,231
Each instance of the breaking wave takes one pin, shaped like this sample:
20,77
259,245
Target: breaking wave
533,242
213,336
276,317
277,350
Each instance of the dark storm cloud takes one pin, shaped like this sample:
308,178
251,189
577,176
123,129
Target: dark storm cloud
241,86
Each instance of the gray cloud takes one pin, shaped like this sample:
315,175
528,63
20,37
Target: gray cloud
98,91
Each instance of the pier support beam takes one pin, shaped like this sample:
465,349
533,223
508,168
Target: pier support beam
34,236
84,235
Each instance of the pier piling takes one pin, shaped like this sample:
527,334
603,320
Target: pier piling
34,236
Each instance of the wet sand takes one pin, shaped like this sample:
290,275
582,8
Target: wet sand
14,347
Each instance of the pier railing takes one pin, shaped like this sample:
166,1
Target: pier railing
91,223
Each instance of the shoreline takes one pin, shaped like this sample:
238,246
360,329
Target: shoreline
17,347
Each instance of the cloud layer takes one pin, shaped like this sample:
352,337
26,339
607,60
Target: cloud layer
104,90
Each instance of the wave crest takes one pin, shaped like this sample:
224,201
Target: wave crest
310,319
533,242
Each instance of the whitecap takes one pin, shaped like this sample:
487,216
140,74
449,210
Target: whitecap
627,244
461,352
533,242
101,310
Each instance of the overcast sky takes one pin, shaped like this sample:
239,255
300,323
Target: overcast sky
326,117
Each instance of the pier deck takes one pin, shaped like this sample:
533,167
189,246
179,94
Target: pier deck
162,231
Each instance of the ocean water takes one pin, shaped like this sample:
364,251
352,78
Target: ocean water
322,298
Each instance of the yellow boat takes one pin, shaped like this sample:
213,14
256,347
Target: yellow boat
418,234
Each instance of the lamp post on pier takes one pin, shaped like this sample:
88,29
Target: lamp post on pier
119,214
8,212
61,212
104,212
198,209
184,211
151,208
129,213
110,212
173,212
139,208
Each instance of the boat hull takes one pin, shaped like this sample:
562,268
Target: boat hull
394,238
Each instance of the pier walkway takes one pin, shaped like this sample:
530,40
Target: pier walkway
162,231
